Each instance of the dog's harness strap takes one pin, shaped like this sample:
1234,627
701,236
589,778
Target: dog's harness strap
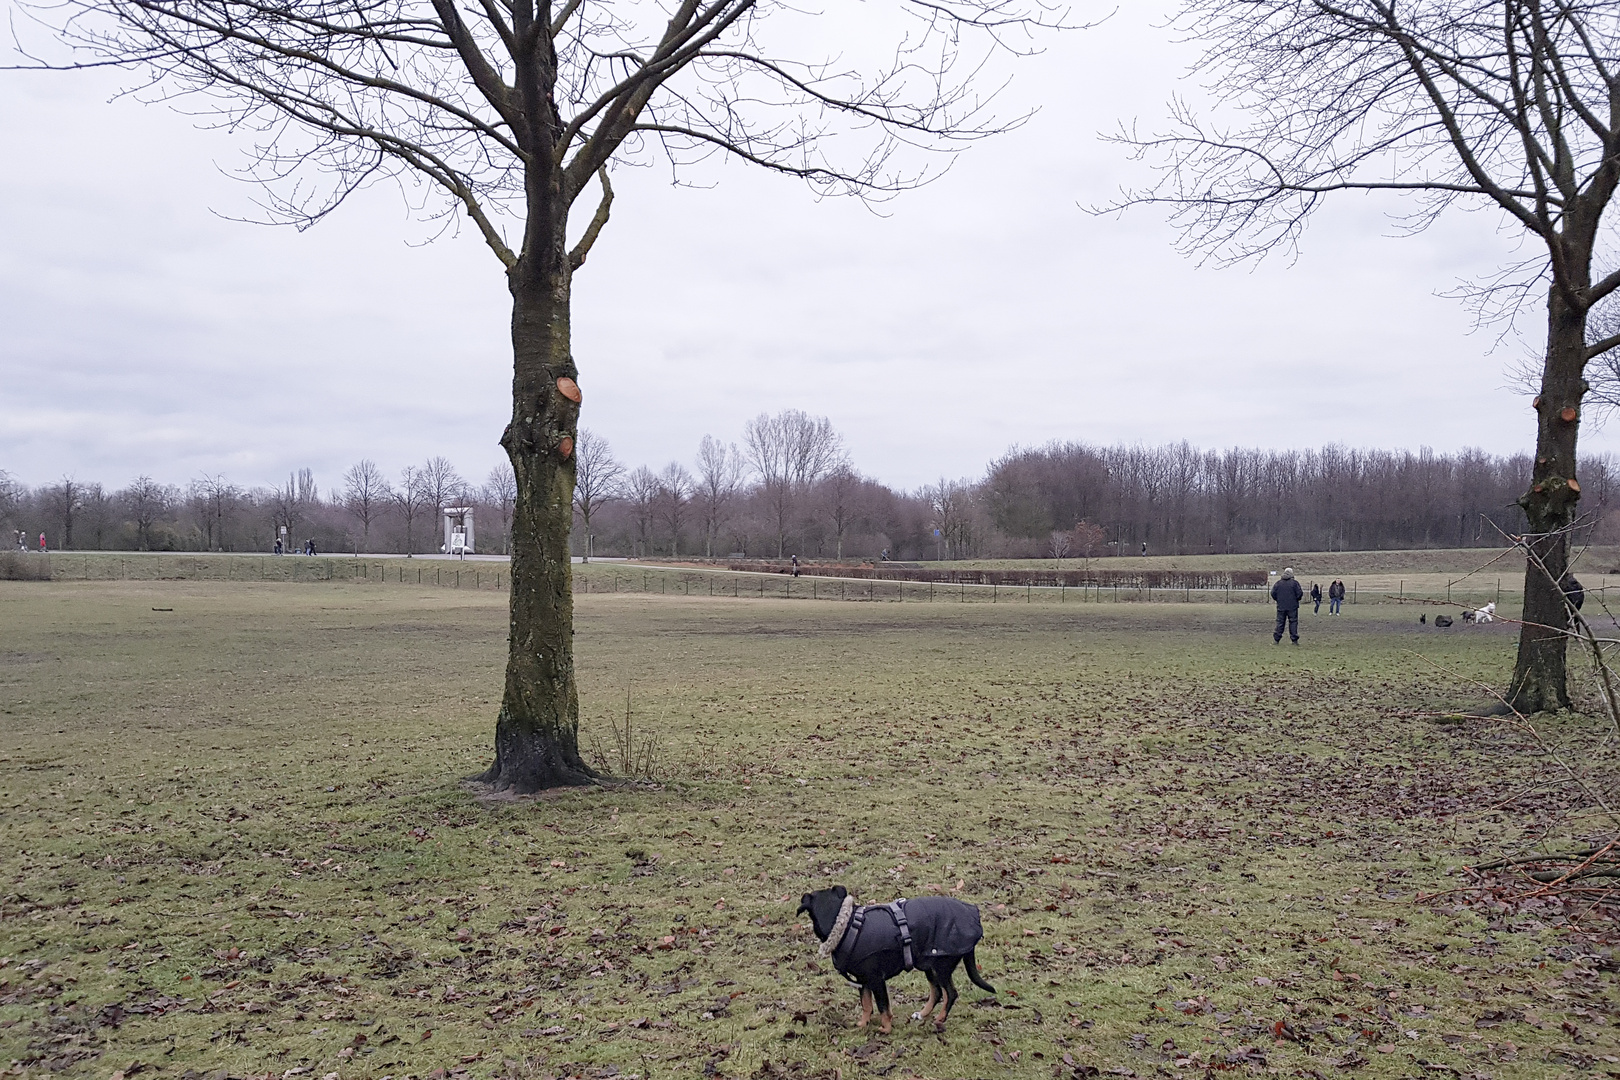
857,919
898,910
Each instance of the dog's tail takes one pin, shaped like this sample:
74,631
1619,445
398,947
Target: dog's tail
971,966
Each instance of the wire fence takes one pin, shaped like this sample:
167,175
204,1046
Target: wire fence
610,578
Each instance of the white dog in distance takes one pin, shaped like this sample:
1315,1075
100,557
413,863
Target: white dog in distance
1483,615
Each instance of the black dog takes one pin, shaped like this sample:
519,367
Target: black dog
870,945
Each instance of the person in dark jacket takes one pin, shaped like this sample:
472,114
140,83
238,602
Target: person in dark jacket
1316,599
1335,596
1288,593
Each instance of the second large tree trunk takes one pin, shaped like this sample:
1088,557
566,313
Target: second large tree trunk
537,732
1538,674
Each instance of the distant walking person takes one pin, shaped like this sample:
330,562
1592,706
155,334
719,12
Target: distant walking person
42,543
1335,596
795,566
278,545
1316,599
1288,593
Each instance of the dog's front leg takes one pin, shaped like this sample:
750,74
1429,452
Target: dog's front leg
866,1007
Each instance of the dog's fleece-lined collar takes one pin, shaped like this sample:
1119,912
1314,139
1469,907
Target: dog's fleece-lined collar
841,924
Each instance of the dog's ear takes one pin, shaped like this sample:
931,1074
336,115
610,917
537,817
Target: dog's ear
840,892
804,904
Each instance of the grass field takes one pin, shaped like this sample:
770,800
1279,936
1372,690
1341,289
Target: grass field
236,840
1474,578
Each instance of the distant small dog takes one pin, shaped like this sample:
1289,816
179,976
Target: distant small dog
1486,614
871,945
1423,619
1442,620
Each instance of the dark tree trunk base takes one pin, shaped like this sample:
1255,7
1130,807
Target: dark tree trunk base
527,781
528,764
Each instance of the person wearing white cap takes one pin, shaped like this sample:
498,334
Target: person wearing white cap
1288,593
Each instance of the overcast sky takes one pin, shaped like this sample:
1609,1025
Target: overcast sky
146,332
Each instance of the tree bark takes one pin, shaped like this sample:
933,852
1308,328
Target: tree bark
537,732
1539,672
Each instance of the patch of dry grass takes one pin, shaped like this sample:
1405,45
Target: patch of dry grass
235,839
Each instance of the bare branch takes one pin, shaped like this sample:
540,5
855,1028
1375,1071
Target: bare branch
576,257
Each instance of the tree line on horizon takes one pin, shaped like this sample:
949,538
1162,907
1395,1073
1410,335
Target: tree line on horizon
790,488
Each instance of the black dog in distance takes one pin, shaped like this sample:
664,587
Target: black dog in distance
872,944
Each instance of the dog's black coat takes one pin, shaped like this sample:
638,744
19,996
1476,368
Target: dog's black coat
944,932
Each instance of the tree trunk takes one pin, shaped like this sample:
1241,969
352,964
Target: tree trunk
537,732
1538,673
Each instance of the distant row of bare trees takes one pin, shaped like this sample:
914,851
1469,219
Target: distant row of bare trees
790,488
1179,498
366,511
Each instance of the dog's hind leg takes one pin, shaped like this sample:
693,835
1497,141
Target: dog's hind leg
933,996
866,1007
950,998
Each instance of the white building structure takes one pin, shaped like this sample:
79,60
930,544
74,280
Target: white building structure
458,530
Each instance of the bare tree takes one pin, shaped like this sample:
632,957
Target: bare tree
411,500
365,494
674,500
94,510
719,476
11,493
500,491
789,452
597,480
286,509
146,500
840,490
309,492
214,498
952,504
509,111
65,499
1086,540
441,485
641,491
1504,104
